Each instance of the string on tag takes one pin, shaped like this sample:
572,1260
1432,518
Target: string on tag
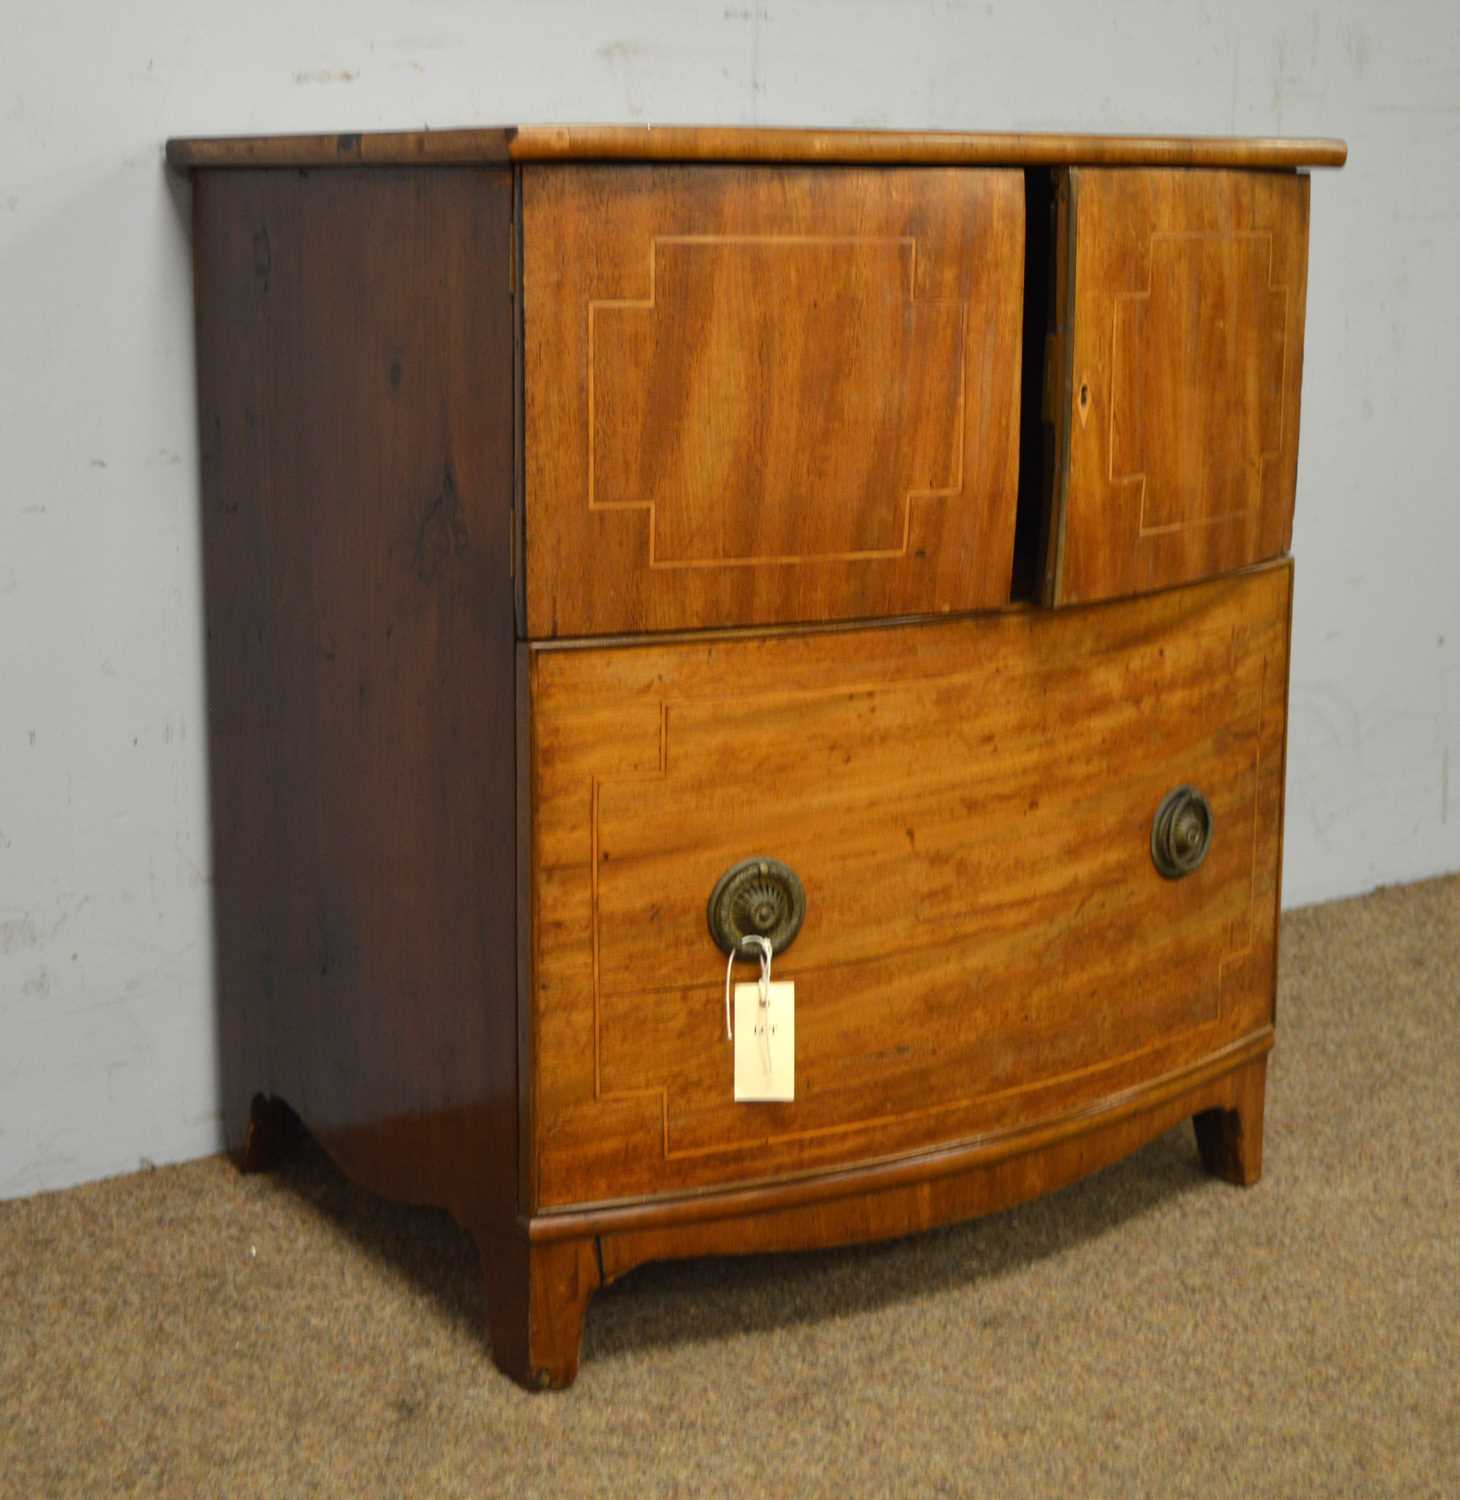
765,975
764,1028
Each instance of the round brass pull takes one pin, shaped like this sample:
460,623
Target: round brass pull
1182,833
759,897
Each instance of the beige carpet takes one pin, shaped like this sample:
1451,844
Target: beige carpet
1150,1331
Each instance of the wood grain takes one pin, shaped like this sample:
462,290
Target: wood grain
748,397
355,399
536,1298
859,1207
543,1278
1180,375
756,396
675,143
968,805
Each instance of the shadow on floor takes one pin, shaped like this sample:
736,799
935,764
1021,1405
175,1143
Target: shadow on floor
665,1304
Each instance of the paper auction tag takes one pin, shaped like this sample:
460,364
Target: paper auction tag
765,1042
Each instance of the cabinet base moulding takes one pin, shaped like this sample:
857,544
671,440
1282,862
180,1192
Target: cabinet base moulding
540,1279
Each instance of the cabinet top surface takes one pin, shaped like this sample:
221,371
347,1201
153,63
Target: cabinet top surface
718,143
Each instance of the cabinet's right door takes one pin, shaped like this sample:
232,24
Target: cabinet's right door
1176,366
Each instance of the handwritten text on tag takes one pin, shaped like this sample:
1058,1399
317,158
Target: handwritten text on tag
765,1043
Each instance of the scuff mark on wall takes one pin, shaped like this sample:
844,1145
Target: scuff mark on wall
1359,47
626,50
755,16
1297,65
190,870
1327,705
1236,75
19,932
325,75
624,55
48,1162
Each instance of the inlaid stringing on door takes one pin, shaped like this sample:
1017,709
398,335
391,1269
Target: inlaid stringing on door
1161,336
760,396
887,330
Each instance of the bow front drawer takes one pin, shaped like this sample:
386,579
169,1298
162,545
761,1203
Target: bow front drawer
1034,856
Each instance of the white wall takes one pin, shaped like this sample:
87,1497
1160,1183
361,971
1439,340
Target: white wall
106,1030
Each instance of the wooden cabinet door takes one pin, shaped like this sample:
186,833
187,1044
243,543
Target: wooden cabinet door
988,947
1177,365
767,394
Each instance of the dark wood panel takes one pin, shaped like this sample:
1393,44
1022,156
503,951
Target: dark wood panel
487,146
1179,361
756,396
728,143
969,807
355,395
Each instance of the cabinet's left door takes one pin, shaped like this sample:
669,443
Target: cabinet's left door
767,394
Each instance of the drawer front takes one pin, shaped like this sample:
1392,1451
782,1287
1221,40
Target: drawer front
987,944
757,395
1178,363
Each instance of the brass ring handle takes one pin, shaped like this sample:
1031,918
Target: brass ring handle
759,897
1181,834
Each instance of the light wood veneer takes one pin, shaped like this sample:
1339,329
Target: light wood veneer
969,806
757,395
1179,361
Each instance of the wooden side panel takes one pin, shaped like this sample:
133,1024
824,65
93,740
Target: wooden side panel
355,390
758,395
968,804
1178,414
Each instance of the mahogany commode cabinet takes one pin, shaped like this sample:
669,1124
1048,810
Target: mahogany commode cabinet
621,543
